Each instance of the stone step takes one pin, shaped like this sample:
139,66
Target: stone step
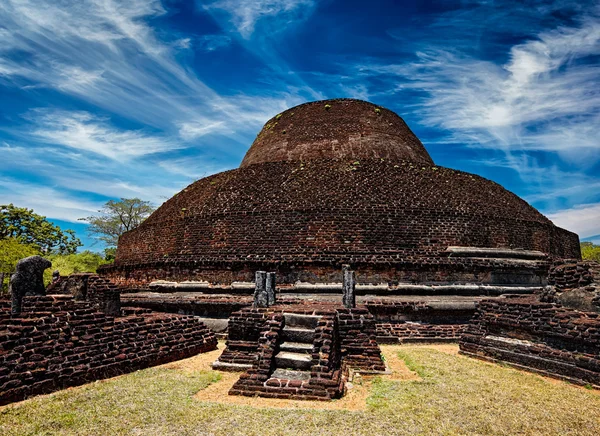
285,359
301,321
296,347
296,334
290,374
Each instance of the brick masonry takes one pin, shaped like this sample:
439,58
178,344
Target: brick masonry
541,337
58,342
344,339
390,218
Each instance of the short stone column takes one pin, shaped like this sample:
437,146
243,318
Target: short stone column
261,299
271,286
348,287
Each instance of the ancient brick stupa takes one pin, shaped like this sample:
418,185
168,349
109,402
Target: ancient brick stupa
340,182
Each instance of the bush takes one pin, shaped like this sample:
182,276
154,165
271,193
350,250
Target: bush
590,251
86,261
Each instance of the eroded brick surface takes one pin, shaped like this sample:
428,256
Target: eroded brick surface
58,342
538,336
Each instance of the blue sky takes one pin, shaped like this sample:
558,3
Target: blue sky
101,99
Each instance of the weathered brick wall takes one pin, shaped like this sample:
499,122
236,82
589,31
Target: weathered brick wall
418,332
573,274
243,334
58,342
199,305
574,284
542,337
418,321
393,217
358,340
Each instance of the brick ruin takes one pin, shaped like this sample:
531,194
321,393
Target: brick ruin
342,182
327,187
64,340
556,333
300,351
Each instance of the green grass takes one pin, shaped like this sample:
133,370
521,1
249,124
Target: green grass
455,395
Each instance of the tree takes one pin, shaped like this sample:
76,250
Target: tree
118,217
30,228
590,251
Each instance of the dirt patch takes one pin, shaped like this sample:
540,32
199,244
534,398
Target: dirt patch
355,398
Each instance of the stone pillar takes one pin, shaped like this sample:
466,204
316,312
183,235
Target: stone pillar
348,287
271,286
261,298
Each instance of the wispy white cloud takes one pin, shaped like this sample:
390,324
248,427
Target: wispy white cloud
490,105
583,219
85,132
106,53
244,15
47,201
537,111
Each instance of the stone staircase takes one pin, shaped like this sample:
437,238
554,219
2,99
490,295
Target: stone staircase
294,359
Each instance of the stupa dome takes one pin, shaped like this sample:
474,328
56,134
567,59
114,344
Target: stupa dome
336,129
341,182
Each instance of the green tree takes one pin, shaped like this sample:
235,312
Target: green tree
11,251
118,217
86,261
110,253
30,228
590,251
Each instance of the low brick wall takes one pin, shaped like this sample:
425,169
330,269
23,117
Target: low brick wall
402,332
541,337
58,342
358,341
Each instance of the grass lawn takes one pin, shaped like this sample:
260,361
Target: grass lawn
448,395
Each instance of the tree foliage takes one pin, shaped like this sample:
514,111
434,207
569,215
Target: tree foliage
590,251
30,228
86,261
118,217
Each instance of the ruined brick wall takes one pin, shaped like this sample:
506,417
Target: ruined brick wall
574,284
537,336
303,219
59,342
419,321
418,332
243,333
358,341
573,274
